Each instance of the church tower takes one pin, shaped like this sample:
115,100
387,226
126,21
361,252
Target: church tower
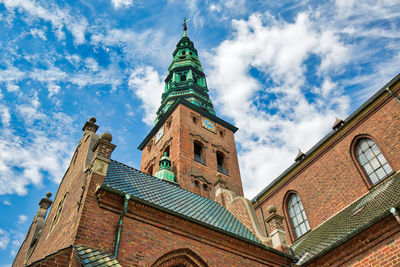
199,145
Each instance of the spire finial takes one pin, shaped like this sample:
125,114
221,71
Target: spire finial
184,26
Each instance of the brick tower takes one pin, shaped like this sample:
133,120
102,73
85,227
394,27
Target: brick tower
199,144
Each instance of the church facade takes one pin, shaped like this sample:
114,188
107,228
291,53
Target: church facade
337,205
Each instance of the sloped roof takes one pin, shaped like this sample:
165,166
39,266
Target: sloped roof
176,200
90,257
355,218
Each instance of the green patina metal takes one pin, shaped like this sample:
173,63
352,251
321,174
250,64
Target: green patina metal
185,79
117,241
164,171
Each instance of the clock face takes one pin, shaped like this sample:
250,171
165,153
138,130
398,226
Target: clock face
208,124
159,134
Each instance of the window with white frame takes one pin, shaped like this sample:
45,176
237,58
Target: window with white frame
372,160
297,216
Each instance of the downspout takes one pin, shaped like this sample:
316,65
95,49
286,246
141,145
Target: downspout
390,92
126,200
262,218
395,213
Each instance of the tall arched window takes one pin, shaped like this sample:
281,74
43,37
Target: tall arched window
166,150
297,216
372,160
221,163
199,152
150,170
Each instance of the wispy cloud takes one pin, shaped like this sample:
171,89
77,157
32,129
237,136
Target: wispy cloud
147,85
59,18
22,219
44,150
4,239
121,3
7,203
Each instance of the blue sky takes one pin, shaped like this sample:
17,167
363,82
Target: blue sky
279,70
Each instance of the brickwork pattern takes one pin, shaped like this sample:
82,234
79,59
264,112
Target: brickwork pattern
148,234
61,259
275,221
181,134
331,180
73,186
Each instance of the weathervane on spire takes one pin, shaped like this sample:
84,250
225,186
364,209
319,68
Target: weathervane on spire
184,26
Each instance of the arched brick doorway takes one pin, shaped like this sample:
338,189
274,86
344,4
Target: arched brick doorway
180,258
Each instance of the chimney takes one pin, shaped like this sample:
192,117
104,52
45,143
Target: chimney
276,229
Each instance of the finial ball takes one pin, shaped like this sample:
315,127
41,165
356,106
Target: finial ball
106,137
92,119
48,195
271,209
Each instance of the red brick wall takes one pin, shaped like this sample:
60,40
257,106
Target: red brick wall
148,234
180,136
330,180
377,246
59,259
63,233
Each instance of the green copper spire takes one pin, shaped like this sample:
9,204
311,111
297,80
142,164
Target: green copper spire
164,171
185,78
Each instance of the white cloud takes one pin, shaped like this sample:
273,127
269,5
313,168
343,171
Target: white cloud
4,239
121,3
43,152
58,18
22,219
91,64
275,121
148,86
17,238
7,203
39,33
137,45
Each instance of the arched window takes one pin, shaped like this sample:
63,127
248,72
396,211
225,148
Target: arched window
166,150
199,152
221,163
297,216
150,170
372,160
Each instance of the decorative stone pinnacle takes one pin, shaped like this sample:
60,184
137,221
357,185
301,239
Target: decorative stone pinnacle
90,125
45,202
106,137
271,209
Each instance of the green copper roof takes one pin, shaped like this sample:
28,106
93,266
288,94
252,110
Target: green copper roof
185,79
172,199
164,171
90,257
355,218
